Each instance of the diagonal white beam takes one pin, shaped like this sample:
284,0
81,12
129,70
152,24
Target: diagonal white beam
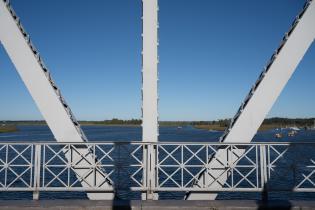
274,77
39,83
27,62
268,87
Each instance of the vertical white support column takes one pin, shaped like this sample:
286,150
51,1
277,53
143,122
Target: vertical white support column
150,71
150,89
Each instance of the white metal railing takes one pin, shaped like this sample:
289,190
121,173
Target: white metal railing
176,167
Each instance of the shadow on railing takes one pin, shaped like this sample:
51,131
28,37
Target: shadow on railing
289,168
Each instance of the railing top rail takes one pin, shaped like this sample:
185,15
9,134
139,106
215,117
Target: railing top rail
152,143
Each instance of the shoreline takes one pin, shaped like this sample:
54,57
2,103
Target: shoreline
100,124
8,128
216,125
263,127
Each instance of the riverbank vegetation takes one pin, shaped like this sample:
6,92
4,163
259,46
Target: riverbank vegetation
268,124
112,122
218,125
8,128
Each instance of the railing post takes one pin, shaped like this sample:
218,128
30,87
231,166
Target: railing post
37,164
151,195
150,172
145,171
264,172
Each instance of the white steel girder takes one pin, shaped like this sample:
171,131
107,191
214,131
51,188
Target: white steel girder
261,97
150,71
45,93
150,126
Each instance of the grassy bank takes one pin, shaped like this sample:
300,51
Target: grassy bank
103,124
211,127
8,128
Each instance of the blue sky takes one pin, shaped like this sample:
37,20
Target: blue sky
211,52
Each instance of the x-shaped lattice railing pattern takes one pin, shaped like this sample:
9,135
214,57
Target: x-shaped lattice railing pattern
16,166
175,166
293,164
111,160
180,166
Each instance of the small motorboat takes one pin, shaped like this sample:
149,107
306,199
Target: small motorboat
292,133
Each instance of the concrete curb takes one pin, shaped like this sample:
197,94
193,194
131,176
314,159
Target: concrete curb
155,205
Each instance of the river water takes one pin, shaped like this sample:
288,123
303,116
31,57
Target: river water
125,133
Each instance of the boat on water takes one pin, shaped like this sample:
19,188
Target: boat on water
294,128
292,133
311,128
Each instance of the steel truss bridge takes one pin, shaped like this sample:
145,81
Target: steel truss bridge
200,173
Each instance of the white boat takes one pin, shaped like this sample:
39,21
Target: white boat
292,133
294,128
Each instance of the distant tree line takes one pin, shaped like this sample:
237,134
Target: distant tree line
300,122
221,122
289,121
116,121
